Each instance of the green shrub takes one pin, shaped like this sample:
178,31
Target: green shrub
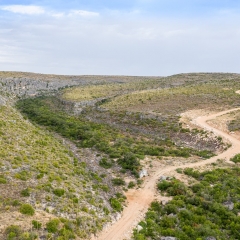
27,209
85,209
40,175
66,234
37,225
28,236
131,185
59,192
106,211
13,232
205,154
164,185
105,163
105,188
16,203
236,158
129,161
179,170
75,200
174,187
116,205
118,181
23,175
25,192
53,225
192,173
2,180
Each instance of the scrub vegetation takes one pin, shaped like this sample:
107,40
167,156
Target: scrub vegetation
208,208
66,158
36,168
116,144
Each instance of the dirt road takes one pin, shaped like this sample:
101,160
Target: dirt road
139,200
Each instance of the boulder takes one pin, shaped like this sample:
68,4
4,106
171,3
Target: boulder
143,173
229,205
163,178
139,228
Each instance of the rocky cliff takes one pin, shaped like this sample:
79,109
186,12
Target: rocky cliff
30,87
22,84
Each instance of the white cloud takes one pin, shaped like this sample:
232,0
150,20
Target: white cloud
84,13
57,14
37,10
24,9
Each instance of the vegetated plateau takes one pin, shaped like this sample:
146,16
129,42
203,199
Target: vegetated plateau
73,146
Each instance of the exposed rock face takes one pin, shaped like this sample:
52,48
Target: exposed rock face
30,84
30,87
2,101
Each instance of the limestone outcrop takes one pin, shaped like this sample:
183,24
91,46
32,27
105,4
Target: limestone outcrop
21,87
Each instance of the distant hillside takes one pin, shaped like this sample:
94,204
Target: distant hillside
31,84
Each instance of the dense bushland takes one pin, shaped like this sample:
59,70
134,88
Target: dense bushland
109,140
208,208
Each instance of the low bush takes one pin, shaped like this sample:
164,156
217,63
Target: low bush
118,182
27,209
37,225
13,232
131,184
105,163
25,192
59,192
16,203
3,181
23,175
53,225
236,158
115,204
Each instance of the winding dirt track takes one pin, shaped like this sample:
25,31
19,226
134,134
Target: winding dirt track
139,200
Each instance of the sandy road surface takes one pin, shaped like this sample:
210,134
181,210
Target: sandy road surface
139,200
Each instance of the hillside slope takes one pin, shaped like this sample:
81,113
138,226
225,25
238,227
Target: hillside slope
37,169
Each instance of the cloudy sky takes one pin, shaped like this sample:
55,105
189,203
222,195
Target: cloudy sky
122,37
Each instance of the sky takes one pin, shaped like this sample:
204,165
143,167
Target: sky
120,37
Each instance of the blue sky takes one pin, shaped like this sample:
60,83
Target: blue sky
138,37
170,8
